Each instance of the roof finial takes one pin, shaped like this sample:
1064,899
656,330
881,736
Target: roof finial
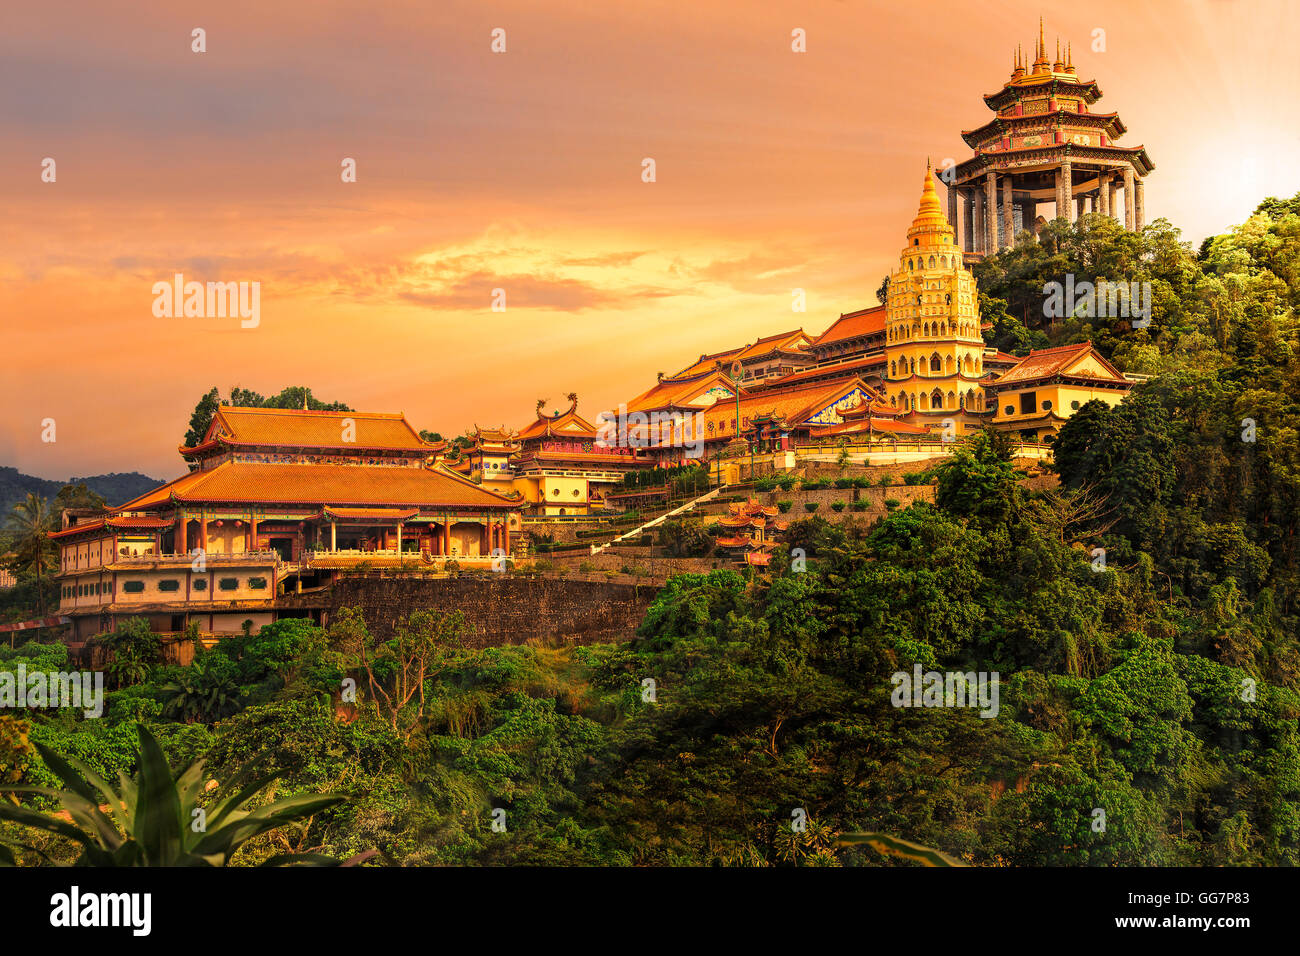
1042,44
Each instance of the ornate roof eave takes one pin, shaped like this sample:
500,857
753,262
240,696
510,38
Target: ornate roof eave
1088,89
1003,124
988,162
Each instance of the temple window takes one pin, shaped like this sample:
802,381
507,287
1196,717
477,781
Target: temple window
199,584
132,587
228,584
170,584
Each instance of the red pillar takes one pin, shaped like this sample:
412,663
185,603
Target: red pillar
252,532
203,531
446,537
505,536
182,527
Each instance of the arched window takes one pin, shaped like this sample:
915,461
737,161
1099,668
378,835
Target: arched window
936,363
891,370
925,403
948,364
947,299
918,301
932,262
936,399
952,400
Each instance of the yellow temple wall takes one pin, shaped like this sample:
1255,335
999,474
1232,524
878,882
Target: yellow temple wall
1062,398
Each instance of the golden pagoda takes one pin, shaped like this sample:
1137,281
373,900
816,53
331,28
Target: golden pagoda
934,352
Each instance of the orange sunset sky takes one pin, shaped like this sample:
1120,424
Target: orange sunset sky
522,171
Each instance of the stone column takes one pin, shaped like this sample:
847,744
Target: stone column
1067,189
1060,201
1140,212
1113,189
1130,202
952,206
399,538
1008,213
334,536
991,199
1103,193
446,536
977,238
959,224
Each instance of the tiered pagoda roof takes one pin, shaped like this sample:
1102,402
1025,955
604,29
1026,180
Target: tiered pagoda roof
1042,110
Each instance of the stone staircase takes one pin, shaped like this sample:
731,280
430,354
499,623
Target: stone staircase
681,509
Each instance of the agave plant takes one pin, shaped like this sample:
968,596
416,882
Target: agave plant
894,846
154,819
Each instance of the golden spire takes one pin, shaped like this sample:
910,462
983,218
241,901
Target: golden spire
1059,65
1069,58
929,216
1040,50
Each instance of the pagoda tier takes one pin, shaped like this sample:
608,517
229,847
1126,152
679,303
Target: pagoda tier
1043,145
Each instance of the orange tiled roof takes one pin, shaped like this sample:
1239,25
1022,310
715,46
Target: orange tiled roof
678,391
707,362
846,370
788,341
569,425
1046,363
853,324
382,513
147,522
793,405
288,427
342,485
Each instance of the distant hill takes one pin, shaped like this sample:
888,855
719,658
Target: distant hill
116,488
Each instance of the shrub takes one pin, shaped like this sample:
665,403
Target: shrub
810,506
786,482
892,503
843,482
784,506
586,567
860,505
764,483
886,481
862,481
837,506
911,477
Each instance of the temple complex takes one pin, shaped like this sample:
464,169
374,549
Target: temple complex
1043,145
276,501
916,369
